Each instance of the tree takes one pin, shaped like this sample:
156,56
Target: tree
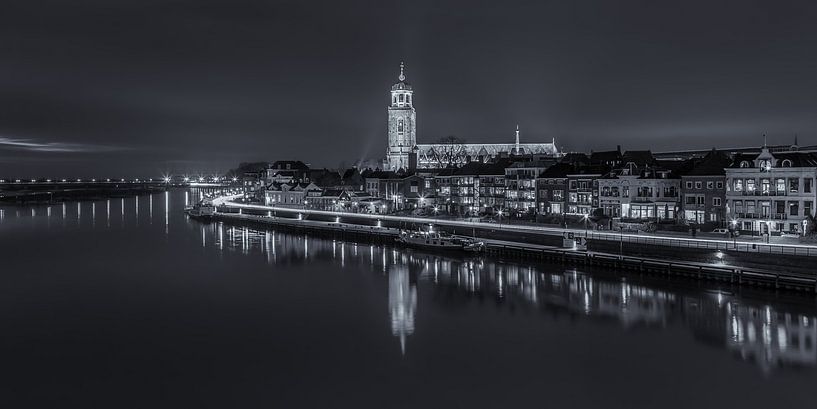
450,151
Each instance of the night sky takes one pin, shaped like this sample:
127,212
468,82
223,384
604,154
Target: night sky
139,88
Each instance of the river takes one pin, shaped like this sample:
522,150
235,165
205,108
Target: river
127,303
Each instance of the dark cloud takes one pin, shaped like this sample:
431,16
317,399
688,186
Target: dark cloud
207,84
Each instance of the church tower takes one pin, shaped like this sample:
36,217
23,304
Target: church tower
402,124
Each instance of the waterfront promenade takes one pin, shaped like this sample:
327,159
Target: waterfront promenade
733,261
748,245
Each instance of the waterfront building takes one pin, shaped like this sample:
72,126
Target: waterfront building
520,184
551,187
583,188
640,189
475,187
403,151
613,159
400,191
703,189
252,185
289,194
771,193
285,171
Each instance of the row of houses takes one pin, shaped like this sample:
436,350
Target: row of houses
762,192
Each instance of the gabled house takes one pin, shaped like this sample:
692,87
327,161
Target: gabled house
771,193
703,190
289,194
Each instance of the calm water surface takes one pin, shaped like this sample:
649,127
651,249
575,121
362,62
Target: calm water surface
126,303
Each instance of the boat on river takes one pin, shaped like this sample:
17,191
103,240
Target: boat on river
439,241
201,211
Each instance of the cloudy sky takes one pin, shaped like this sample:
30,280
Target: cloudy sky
139,88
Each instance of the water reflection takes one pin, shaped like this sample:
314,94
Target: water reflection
771,336
402,303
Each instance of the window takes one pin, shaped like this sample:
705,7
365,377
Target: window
713,217
719,185
786,163
573,198
690,200
807,185
689,185
701,200
781,185
808,207
750,206
400,126
738,185
428,184
744,164
765,186
697,185
710,185
794,208
750,185
716,201
738,206
794,185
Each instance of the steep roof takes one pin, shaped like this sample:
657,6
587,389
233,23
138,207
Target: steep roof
557,171
605,156
480,169
712,164
640,158
293,165
575,157
798,159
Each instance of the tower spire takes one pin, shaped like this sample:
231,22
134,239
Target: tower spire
764,139
402,76
516,148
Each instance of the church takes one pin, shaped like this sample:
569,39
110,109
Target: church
403,151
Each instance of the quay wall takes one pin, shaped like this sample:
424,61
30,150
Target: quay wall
734,268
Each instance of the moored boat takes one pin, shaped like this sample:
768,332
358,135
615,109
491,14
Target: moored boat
203,211
439,241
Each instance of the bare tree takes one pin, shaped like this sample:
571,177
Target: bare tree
450,151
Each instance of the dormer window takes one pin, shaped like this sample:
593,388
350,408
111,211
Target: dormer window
744,164
786,163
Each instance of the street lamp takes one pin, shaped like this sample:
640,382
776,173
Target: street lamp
585,224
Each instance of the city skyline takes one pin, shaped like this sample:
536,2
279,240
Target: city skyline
204,91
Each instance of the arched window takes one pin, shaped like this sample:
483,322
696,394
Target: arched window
744,164
786,163
400,132
402,97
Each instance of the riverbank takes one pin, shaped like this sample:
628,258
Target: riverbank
734,263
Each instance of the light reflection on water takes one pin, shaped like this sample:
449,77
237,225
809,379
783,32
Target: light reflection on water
772,335
769,336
